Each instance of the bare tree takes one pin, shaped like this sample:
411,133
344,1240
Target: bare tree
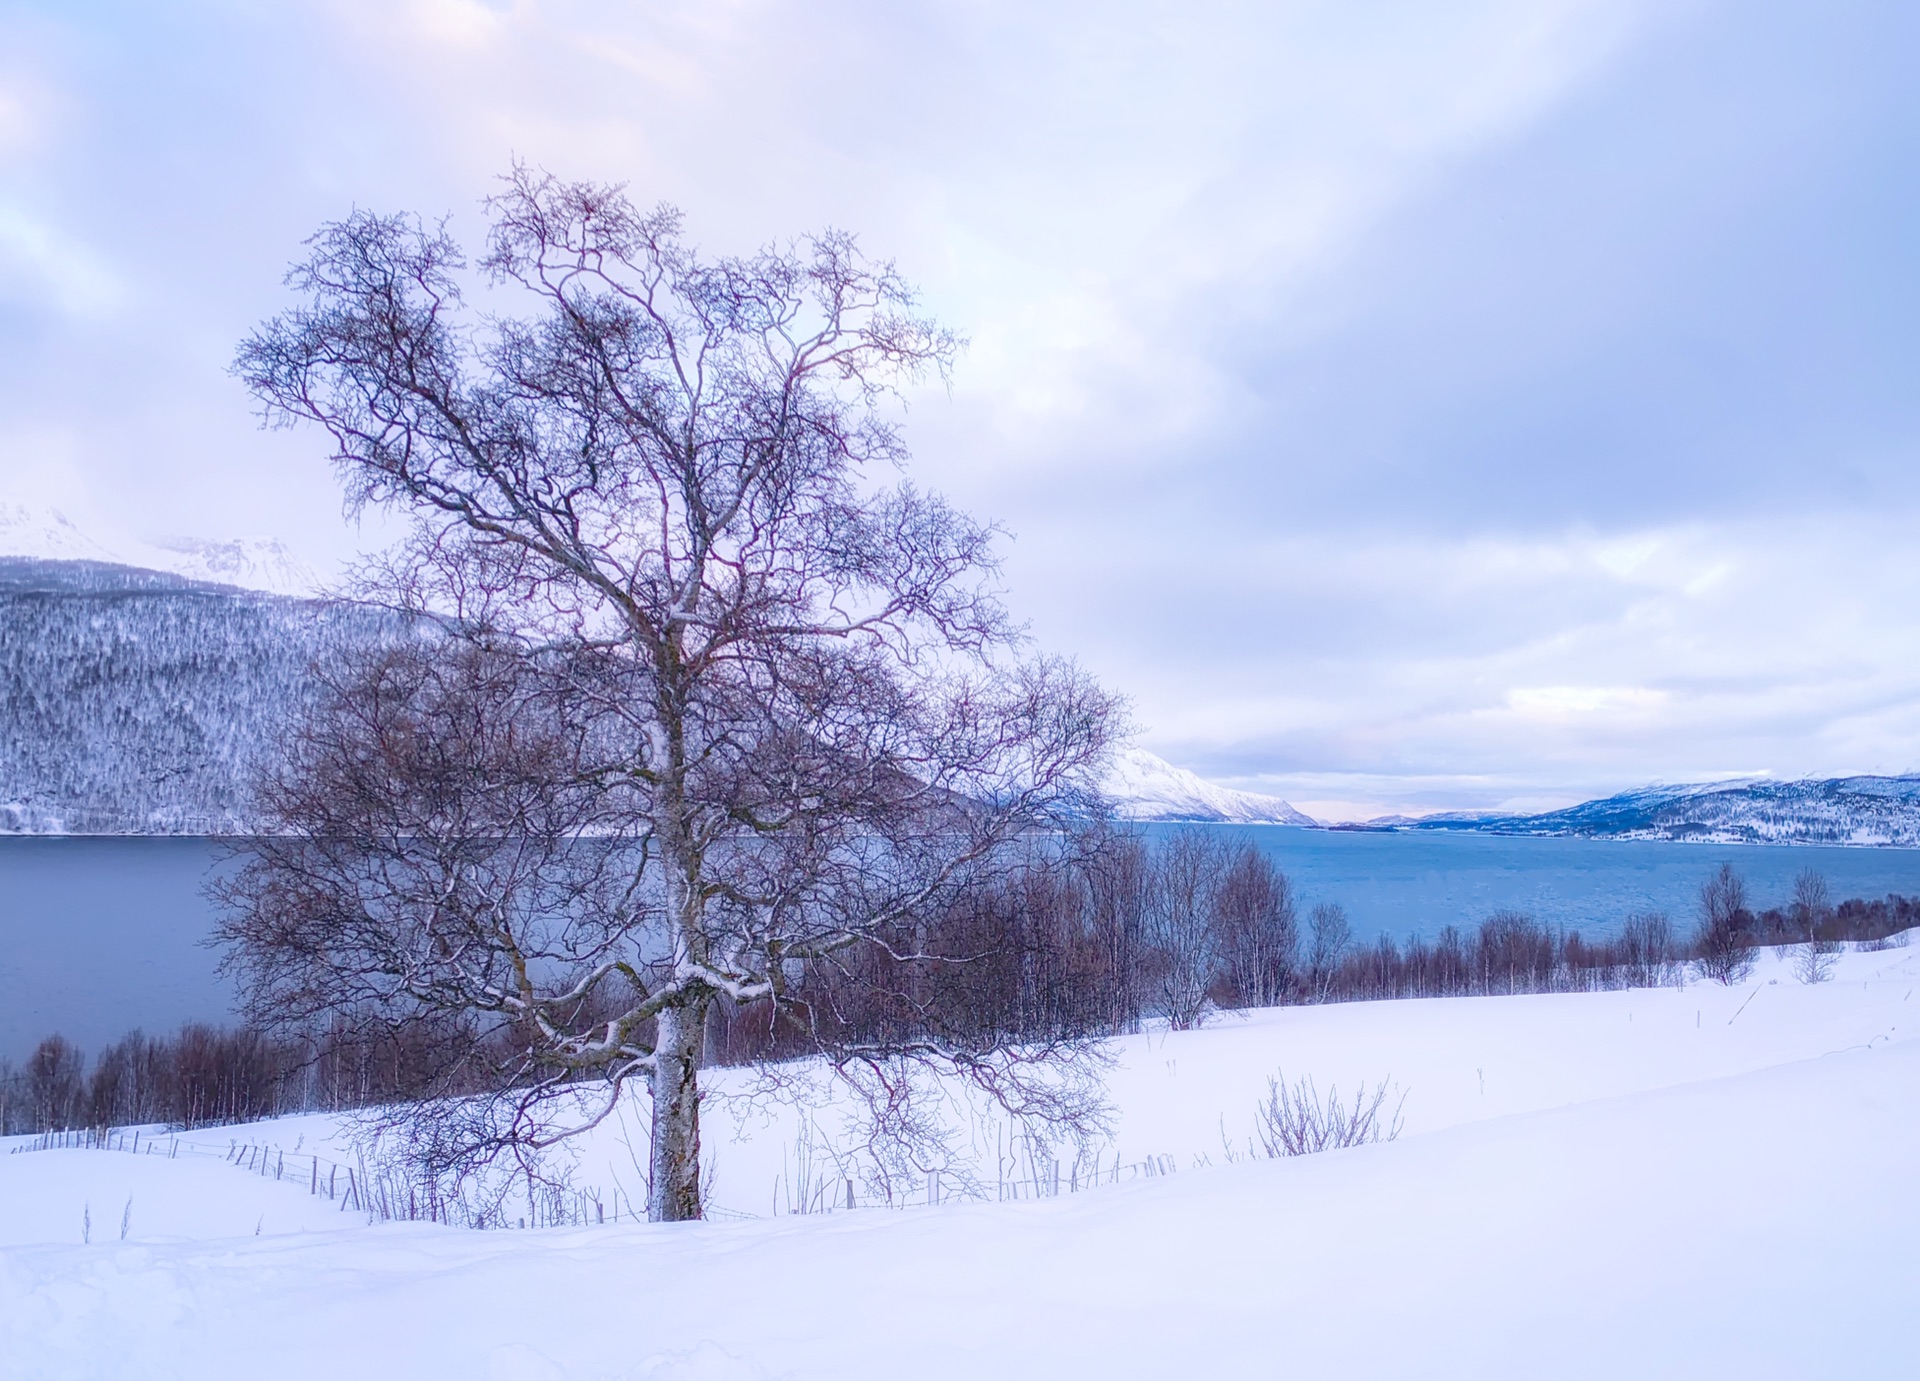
729,708
1188,868
1119,884
1724,941
1811,911
1332,937
1256,934
55,1082
1646,949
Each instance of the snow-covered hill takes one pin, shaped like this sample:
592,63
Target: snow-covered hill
1145,787
131,700
1653,1183
1881,811
41,532
251,563
47,533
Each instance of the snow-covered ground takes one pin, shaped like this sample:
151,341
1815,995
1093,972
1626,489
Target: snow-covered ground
1689,1182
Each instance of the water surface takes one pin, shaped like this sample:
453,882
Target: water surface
1417,882
100,935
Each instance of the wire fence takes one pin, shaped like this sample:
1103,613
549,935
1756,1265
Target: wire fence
390,1194
383,1193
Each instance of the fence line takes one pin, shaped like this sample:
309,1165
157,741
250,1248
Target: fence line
389,1195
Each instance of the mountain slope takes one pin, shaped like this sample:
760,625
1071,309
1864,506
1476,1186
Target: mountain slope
131,700
1882,811
1145,787
44,533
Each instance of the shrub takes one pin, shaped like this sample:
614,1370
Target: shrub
1295,1120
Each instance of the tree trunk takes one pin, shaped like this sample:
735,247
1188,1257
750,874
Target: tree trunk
673,1187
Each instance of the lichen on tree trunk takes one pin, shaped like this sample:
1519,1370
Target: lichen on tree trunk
673,1189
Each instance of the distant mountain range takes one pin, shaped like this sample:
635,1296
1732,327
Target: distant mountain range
1860,811
1882,811
131,699
44,533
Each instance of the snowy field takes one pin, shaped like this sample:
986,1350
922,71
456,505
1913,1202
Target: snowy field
1687,1182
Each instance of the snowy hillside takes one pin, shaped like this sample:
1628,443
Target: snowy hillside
1841,810
1145,787
130,700
253,564
1654,1183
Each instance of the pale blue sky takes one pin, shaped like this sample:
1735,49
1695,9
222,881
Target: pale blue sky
1409,405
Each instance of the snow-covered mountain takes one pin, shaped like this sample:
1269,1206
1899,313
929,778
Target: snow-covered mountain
45,533
1882,811
131,699
252,563
1145,787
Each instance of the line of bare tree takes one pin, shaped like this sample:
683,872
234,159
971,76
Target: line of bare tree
1091,937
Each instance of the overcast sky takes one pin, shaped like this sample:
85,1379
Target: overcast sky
1408,405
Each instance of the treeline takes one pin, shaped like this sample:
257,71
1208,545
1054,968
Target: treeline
1072,944
204,1075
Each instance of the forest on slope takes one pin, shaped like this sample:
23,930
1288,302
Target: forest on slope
131,700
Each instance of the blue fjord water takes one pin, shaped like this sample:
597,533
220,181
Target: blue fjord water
99,935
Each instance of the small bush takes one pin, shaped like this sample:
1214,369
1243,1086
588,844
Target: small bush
1295,1120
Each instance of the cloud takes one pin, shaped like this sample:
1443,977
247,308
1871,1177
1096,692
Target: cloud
1406,403
1481,674
40,263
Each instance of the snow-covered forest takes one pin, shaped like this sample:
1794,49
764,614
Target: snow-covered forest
1875,811
131,700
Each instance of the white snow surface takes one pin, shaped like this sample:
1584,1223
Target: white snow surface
1692,1182
1146,787
41,531
253,563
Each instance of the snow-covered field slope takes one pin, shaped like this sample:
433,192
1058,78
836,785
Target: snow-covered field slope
1686,1182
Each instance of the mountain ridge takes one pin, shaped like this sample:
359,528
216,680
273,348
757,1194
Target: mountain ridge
132,698
1864,811
45,533
1147,788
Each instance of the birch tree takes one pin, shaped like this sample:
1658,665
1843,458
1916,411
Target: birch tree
715,698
